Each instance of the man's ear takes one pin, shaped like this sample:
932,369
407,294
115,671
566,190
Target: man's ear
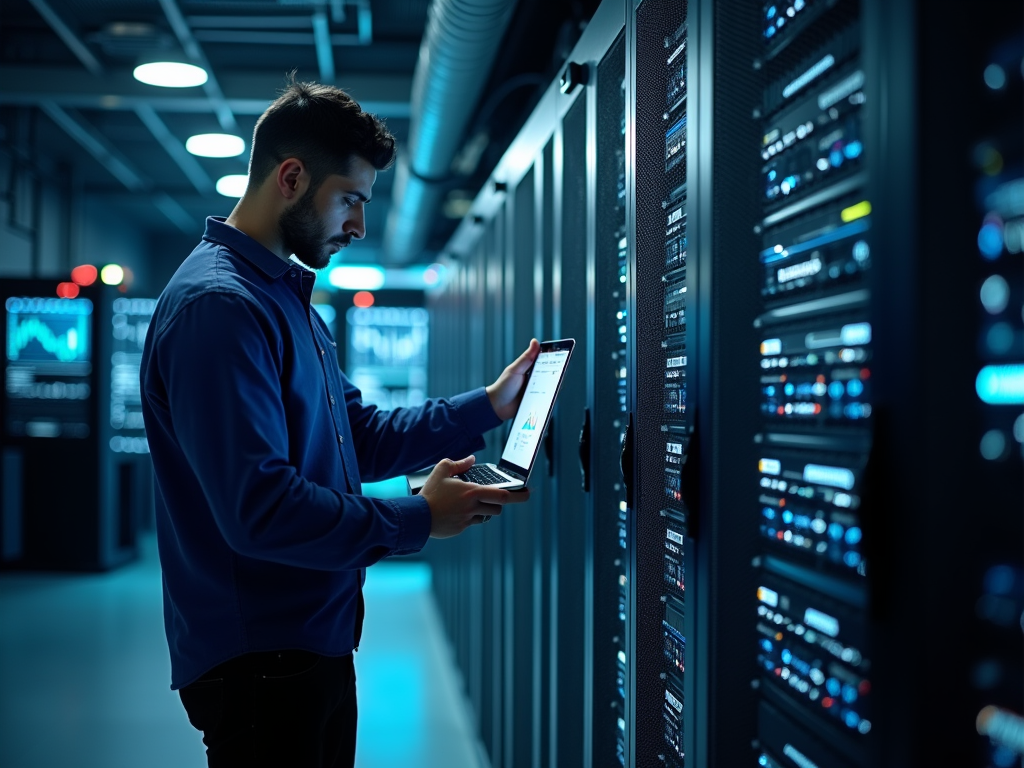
292,178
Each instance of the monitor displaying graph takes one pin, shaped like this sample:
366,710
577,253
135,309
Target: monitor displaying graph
48,367
48,330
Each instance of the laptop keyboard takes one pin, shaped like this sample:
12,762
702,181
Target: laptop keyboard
483,475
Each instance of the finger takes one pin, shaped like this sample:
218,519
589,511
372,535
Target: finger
500,496
524,361
452,467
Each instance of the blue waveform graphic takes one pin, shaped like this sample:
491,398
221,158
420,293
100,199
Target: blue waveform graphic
44,330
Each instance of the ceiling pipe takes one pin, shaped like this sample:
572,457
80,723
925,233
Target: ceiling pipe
459,46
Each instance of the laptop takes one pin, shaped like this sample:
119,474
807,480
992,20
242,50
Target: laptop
523,444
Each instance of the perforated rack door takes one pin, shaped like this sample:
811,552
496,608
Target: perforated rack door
662,354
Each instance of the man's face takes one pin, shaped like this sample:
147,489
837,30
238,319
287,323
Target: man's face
325,220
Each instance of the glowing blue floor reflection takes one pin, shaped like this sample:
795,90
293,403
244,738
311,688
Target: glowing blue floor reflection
85,675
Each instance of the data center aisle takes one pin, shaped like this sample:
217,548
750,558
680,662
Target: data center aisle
85,672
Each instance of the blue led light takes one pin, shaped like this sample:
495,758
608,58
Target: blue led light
767,645
789,389
769,665
852,559
770,32
770,13
770,391
853,150
849,694
853,411
853,536
1001,384
990,240
771,533
835,531
787,657
855,387
769,513
851,718
772,174
833,686
836,390
835,158
803,522
787,517
763,760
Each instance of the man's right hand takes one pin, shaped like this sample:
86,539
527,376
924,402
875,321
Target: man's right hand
456,504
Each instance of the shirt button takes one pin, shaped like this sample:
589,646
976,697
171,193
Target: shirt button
332,399
341,439
292,273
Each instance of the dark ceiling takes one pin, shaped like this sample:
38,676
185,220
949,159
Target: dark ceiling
68,99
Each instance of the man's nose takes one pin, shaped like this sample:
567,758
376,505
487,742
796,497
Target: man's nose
356,224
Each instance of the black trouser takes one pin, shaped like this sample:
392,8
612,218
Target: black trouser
291,709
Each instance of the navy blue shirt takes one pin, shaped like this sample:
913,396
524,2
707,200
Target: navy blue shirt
259,444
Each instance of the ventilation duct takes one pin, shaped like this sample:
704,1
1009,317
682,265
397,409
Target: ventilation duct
460,43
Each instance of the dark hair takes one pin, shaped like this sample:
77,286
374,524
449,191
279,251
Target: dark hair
323,127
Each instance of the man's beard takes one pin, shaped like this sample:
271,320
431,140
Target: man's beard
304,234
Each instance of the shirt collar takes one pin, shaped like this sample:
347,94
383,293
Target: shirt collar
217,231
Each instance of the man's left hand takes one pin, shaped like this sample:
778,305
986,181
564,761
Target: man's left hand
507,392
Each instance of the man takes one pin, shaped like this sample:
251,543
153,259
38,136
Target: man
259,444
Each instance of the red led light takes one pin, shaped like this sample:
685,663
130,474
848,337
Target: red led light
67,290
84,274
779,535
817,408
864,687
780,410
827,702
865,373
820,379
363,299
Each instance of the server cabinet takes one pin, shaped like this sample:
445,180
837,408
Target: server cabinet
550,585
603,428
71,411
842,244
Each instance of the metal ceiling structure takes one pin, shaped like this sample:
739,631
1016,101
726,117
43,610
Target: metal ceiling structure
66,71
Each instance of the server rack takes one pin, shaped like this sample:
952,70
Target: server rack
71,410
533,234
794,525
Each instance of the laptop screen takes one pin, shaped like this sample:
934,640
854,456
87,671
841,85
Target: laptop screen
538,399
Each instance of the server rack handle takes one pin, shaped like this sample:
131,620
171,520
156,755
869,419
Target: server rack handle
585,451
626,460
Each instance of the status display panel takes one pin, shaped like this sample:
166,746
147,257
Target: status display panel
48,367
386,355
129,325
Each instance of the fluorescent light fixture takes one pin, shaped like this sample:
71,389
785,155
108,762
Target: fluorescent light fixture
112,274
215,145
233,185
170,74
351,277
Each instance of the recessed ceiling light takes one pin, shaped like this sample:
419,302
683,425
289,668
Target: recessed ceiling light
215,145
233,185
353,277
170,74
